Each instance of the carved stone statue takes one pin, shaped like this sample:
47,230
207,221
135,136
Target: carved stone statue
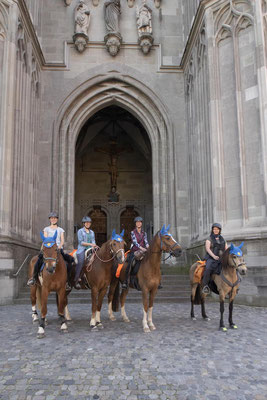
131,3
113,38
68,2
112,13
113,196
144,27
82,22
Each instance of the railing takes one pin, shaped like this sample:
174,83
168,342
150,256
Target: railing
20,268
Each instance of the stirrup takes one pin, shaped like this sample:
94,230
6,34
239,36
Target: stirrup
31,282
206,289
124,285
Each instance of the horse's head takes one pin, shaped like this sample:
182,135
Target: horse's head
236,259
117,246
168,243
50,252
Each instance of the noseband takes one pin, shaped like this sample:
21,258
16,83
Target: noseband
47,259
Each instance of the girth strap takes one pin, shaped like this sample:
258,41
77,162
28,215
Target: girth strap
232,285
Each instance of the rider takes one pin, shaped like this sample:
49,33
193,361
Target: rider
139,243
49,231
86,240
215,246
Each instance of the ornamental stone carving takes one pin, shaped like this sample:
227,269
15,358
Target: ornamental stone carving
157,3
95,2
144,27
131,3
113,39
67,2
82,22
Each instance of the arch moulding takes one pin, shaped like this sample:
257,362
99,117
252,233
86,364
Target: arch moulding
93,95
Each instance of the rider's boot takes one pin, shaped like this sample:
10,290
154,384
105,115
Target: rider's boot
206,289
160,286
32,281
125,285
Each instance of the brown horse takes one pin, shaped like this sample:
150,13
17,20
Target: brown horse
52,279
149,277
98,274
227,283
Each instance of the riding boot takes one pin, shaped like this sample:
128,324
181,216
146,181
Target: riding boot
32,281
125,283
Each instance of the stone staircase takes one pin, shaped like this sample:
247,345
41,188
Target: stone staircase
176,289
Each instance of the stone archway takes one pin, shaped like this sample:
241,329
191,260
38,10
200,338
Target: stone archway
113,88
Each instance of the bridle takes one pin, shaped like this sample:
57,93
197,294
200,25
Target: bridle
169,250
114,253
49,259
235,266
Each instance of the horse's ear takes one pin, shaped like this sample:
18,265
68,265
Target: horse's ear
55,236
168,227
242,244
162,230
122,233
113,234
231,247
42,236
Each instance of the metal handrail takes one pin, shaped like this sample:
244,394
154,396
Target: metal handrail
18,271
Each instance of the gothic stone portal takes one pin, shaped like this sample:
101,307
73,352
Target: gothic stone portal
113,172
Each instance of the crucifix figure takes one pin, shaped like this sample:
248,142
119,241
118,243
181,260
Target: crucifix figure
113,151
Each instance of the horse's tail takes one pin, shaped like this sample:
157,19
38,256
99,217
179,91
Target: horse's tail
39,297
116,298
197,299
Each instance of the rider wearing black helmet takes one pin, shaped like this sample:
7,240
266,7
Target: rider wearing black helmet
215,246
86,240
139,243
49,231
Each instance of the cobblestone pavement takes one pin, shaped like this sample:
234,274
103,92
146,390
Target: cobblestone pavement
182,359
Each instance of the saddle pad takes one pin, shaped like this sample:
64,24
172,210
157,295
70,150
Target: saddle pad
199,271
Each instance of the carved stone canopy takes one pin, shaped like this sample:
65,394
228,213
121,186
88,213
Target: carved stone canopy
113,43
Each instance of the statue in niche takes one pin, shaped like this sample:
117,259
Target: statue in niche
82,22
68,2
144,27
113,39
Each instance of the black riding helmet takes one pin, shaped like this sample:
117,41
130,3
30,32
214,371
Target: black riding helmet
138,219
216,225
53,214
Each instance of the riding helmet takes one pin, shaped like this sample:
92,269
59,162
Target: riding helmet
138,219
53,214
216,225
86,219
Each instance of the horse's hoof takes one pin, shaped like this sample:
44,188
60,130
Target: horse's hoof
69,321
40,335
193,318
206,319
46,322
126,320
152,327
112,318
99,325
233,326
147,330
223,329
64,331
94,328
35,320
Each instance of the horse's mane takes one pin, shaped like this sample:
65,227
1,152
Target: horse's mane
149,251
224,258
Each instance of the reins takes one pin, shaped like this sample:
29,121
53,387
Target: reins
110,259
232,285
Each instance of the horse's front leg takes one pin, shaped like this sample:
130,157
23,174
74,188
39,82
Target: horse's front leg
145,310
33,300
111,292
122,301
94,293
62,303
193,295
101,296
41,329
222,326
152,295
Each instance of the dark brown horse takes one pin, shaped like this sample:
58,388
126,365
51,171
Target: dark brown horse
227,283
149,277
52,278
98,274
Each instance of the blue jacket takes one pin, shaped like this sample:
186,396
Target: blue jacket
82,237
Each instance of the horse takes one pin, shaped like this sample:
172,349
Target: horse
149,277
53,277
227,283
98,273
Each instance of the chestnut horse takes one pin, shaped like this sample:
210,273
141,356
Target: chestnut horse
98,273
149,277
227,283
52,278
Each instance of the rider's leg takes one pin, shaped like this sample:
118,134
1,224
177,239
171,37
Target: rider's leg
125,283
207,275
37,267
79,266
69,262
